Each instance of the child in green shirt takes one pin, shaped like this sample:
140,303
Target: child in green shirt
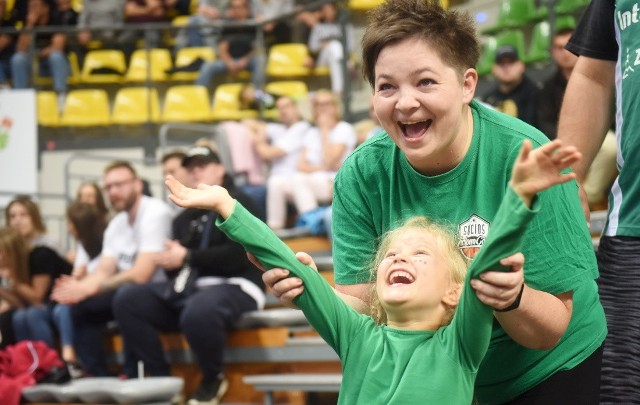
415,348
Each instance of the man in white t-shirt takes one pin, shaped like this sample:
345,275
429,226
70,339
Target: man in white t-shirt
280,144
133,236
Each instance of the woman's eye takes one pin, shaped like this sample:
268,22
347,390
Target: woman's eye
384,86
426,82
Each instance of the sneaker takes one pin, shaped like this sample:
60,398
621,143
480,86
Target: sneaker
75,371
210,393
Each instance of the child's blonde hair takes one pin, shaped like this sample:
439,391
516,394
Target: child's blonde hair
447,242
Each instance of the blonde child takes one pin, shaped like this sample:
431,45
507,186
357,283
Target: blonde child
415,349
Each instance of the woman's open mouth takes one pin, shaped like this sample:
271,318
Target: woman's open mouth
413,130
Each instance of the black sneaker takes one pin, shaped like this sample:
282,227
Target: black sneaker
210,393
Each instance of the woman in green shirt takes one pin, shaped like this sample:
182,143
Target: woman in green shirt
414,350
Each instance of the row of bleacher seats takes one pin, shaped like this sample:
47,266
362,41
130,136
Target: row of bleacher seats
105,66
140,105
522,13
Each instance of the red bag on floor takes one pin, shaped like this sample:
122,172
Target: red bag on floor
23,365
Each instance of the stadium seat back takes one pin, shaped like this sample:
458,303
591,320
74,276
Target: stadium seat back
186,103
86,107
136,105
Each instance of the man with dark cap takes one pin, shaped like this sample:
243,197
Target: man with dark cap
211,284
514,93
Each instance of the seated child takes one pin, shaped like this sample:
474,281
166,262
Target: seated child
414,347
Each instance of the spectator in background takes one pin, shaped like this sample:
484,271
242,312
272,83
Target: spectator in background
49,47
23,215
130,243
236,49
280,144
209,11
14,269
603,170
35,317
86,225
7,43
278,32
552,90
368,127
326,146
212,283
514,93
325,43
145,11
99,20
171,163
90,193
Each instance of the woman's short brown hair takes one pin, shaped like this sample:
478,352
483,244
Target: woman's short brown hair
451,33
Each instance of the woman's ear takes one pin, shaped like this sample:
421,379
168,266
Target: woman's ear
452,296
469,83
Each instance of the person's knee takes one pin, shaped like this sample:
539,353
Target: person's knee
125,299
19,60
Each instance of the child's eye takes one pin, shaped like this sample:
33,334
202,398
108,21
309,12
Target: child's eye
421,252
389,254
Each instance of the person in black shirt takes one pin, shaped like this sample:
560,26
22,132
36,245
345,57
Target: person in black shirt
211,284
236,49
514,93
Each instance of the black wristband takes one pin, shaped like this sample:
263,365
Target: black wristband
515,304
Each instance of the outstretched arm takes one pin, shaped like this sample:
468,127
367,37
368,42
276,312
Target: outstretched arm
214,198
541,318
539,169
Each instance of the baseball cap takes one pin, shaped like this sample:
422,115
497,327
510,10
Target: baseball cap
200,155
507,51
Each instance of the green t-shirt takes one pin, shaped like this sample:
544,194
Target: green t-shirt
376,189
383,365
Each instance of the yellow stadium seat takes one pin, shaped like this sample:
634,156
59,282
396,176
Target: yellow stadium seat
186,103
226,103
287,60
86,107
186,56
136,105
293,88
364,5
107,59
8,8
139,65
47,108
180,21
77,5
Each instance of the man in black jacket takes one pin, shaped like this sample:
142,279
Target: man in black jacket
211,284
514,93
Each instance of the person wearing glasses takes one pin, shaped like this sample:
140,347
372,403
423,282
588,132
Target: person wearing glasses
133,237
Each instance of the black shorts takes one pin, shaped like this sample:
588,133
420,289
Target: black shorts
580,386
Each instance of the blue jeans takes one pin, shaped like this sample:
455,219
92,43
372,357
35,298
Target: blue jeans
210,70
33,323
55,65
